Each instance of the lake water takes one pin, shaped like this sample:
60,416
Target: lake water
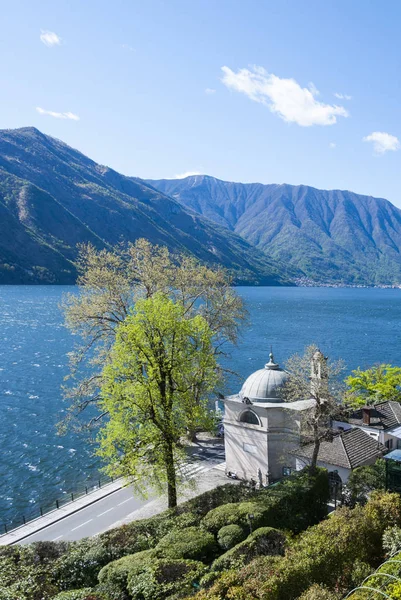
362,326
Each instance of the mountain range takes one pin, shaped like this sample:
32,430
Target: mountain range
326,236
52,198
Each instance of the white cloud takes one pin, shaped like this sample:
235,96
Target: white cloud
49,38
187,174
332,145
57,115
342,96
292,103
210,91
382,142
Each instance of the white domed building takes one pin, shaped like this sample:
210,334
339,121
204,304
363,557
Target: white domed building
260,429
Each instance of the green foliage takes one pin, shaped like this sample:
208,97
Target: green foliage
80,566
377,384
364,480
42,570
82,594
297,502
263,541
336,553
392,540
113,577
26,571
230,535
160,358
384,578
190,543
237,514
320,592
164,578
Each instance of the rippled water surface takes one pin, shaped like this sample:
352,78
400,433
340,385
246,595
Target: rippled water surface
360,325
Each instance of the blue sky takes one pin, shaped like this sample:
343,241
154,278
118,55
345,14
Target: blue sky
140,86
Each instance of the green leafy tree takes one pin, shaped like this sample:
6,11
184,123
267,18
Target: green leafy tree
365,479
109,284
379,383
156,386
313,376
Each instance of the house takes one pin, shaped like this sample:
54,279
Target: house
260,429
347,450
381,421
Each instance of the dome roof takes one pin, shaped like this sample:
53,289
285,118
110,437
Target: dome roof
264,385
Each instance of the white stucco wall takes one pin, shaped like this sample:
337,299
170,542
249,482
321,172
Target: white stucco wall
265,446
343,472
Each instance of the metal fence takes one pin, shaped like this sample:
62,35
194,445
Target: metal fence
42,508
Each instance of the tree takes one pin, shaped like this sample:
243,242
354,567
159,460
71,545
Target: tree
365,479
379,383
313,376
157,384
110,282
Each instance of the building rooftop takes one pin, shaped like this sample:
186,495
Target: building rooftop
265,384
384,415
349,449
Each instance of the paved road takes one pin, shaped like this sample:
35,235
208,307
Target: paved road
105,513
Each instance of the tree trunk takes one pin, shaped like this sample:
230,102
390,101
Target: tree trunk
191,435
171,478
315,453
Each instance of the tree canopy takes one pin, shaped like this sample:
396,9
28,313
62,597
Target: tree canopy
110,283
374,385
314,376
155,388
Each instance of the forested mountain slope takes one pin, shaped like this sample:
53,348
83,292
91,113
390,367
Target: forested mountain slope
52,197
331,235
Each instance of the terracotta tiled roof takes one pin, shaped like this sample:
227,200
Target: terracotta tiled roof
349,449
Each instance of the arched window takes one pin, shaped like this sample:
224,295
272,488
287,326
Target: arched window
248,416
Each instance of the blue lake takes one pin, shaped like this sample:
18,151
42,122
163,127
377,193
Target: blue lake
362,326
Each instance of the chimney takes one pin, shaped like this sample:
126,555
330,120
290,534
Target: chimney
366,415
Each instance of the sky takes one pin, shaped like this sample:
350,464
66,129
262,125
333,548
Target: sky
281,91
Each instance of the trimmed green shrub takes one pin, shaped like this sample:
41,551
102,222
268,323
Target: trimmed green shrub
264,541
230,535
113,577
191,543
334,553
164,578
234,514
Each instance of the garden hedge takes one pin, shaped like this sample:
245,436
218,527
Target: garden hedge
263,541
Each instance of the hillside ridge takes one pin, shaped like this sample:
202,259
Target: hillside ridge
53,197
333,236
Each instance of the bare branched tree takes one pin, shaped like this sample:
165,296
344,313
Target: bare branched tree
109,283
314,376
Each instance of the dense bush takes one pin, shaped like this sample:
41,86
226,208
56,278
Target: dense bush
43,570
383,579
320,592
25,571
264,541
82,594
113,577
79,567
191,543
230,535
234,514
294,504
336,553
164,578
